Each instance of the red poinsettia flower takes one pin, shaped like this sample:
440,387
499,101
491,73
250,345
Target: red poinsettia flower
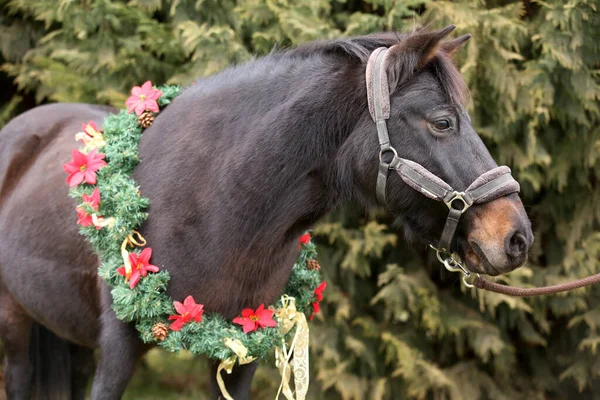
319,295
143,98
188,311
319,290
304,239
316,309
140,265
252,320
83,167
93,200
83,218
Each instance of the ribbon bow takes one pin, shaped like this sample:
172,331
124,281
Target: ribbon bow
102,222
289,318
131,241
241,355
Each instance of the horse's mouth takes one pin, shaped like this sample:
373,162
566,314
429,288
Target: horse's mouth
476,260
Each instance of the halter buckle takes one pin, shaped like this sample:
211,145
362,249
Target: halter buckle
458,202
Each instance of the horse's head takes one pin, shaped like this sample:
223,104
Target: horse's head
428,124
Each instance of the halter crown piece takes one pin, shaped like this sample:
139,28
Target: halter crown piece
489,186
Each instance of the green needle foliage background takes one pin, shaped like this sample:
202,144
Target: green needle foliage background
397,326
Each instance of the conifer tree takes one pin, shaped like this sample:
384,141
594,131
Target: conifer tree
398,326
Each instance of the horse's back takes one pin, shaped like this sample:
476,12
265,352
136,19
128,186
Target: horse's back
25,137
41,251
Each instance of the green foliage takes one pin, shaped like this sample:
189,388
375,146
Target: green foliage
396,326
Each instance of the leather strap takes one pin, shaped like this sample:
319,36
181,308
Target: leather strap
379,107
423,181
377,83
497,181
449,228
485,187
382,176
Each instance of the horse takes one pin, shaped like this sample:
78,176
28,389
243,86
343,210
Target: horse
236,168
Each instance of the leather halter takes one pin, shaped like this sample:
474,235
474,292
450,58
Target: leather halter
489,186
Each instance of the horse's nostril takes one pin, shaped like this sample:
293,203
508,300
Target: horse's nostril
516,245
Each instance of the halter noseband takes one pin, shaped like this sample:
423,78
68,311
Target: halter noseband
488,186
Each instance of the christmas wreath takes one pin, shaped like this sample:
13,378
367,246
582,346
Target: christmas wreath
110,210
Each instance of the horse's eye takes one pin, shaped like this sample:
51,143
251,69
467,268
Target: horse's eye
441,124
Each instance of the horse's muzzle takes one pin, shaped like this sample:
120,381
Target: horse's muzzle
498,236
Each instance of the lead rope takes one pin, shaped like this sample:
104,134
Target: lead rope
482,283
471,280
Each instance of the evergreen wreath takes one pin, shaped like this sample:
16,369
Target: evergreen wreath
112,207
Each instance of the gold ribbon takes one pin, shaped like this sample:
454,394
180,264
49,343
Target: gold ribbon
91,140
241,355
289,317
102,222
131,241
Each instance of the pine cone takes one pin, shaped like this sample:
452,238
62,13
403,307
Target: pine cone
160,331
146,119
313,265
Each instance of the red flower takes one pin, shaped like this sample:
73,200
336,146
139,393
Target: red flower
304,239
319,290
83,218
140,265
319,295
316,308
93,200
83,167
143,98
251,320
188,311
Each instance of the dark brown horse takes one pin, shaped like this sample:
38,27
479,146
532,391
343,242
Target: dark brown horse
236,168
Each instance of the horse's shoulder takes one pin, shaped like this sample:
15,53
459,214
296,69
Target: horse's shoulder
27,135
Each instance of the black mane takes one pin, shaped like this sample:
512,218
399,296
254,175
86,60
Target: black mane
359,48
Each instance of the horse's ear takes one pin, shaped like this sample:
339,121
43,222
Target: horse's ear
451,46
413,53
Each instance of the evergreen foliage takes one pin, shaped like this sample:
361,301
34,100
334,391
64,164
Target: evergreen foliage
397,325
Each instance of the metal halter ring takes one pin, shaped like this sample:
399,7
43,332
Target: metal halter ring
458,196
385,150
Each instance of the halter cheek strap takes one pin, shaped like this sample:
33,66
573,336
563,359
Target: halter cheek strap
378,97
489,186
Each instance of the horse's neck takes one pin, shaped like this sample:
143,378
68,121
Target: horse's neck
264,147
237,182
